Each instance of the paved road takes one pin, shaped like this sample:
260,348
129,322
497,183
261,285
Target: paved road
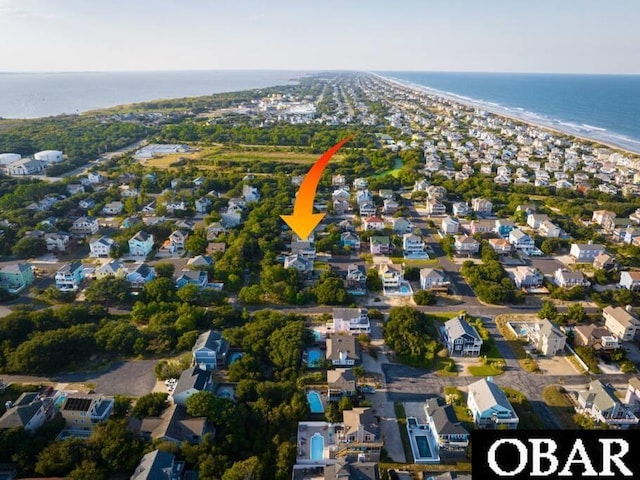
132,378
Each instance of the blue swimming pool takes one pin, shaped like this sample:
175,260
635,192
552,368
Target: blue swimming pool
423,447
405,289
315,402
317,335
317,447
314,356
59,401
235,357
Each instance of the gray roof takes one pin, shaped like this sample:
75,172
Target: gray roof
488,395
549,330
444,418
600,395
342,343
192,377
174,424
211,340
25,407
141,236
347,313
156,465
342,378
457,327
431,273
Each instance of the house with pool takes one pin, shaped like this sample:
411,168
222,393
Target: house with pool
341,383
325,443
343,350
210,351
350,320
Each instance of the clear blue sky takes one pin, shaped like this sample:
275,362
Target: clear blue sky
589,36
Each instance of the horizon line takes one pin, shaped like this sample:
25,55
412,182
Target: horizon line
314,70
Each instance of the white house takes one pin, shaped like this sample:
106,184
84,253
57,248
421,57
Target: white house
630,280
449,226
430,278
102,247
521,241
113,208
466,245
373,223
350,320
586,252
85,226
527,277
141,244
343,350
413,246
570,278
601,403
57,242
29,411
140,275
481,206
620,323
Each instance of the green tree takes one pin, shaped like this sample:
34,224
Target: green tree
548,310
150,405
345,404
165,269
249,469
576,313
29,247
60,457
188,293
118,449
87,470
424,297
374,283
108,290
196,244
160,290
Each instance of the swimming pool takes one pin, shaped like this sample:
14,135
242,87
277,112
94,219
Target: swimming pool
315,402
405,289
235,357
59,401
317,447
317,335
423,446
524,331
314,356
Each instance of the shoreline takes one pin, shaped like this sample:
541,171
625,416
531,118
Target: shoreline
500,112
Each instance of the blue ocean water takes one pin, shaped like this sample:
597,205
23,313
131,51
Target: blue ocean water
30,95
603,107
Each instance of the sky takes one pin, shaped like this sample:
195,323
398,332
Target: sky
547,36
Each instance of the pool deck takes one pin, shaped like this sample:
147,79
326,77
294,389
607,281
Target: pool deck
306,430
416,429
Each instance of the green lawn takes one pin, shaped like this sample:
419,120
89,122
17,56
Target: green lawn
484,370
440,365
528,419
558,402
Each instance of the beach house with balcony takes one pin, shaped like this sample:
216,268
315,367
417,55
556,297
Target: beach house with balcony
600,402
490,407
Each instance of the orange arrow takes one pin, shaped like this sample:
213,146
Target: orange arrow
304,221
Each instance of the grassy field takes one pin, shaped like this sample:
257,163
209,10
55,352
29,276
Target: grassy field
528,419
558,402
209,157
485,370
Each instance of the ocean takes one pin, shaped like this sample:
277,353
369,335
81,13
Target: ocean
31,95
601,107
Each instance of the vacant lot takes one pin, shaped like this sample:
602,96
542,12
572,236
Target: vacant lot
215,156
